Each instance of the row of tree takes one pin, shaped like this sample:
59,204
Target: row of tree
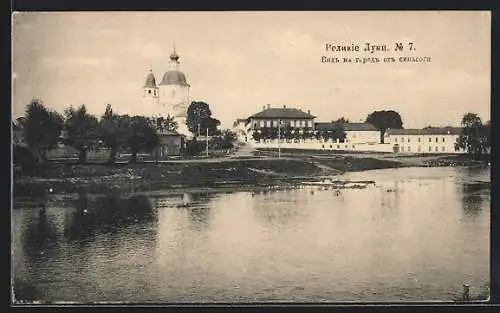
43,129
289,133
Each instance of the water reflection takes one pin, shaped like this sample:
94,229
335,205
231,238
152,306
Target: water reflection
40,234
403,239
107,214
276,208
473,197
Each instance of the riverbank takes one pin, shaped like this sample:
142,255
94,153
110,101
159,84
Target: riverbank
65,178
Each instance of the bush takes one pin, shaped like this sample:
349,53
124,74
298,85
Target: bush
194,147
22,156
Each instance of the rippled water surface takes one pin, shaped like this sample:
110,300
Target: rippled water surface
418,234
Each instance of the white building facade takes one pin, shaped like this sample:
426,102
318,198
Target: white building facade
430,140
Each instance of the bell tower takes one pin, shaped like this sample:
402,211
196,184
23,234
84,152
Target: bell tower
151,95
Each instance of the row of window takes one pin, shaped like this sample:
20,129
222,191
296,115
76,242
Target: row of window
419,149
419,139
338,146
274,123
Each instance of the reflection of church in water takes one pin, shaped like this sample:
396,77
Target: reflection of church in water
169,97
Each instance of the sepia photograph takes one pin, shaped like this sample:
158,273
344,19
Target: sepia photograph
180,157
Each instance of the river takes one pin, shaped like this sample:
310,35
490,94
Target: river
417,235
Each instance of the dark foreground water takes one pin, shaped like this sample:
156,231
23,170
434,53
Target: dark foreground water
419,234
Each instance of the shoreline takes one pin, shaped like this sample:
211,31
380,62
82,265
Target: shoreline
249,173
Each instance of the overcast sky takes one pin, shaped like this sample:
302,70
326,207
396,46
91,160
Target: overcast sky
239,61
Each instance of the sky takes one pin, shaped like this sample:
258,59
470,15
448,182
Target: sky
237,62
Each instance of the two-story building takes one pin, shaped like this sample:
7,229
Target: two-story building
425,140
270,119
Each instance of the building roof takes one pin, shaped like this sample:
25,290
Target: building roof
425,131
240,120
347,126
283,113
174,77
150,81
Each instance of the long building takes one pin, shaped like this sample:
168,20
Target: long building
298,129
426,140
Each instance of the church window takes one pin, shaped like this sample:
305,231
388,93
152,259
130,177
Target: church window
149,91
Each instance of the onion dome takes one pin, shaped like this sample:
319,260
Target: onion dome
174,78
150,80
174,56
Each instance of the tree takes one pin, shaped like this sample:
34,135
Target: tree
341,120
141,135
339,132
199,118
384,120
42,128
167,124
257,136
113,132
474,136
487,133
226,140
82,131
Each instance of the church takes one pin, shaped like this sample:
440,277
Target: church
169,97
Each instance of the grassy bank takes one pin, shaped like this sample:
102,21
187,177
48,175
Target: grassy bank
102,178
122,178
